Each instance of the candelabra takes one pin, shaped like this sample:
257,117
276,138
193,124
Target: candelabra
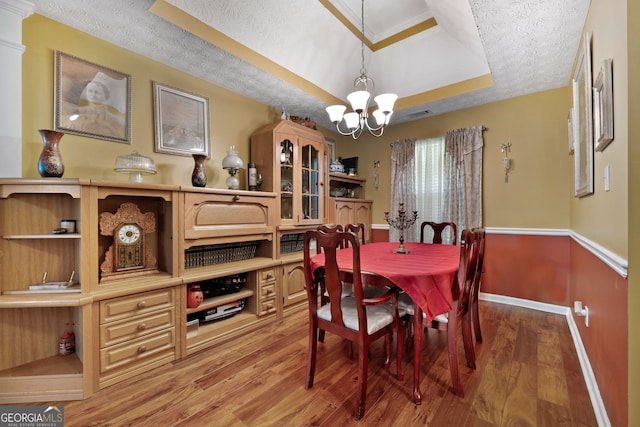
401,222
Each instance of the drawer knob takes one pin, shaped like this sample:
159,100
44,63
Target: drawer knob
236,198
142,349
269,275
142,304
142,327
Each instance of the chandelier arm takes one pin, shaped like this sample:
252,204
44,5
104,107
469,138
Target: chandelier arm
376,134
373,128
341,132
356,132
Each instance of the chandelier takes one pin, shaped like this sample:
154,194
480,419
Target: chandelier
359,99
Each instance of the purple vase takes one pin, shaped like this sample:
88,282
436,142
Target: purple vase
50,161
199,177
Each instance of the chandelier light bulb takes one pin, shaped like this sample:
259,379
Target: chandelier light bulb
352,120
359,100
385,101
335,113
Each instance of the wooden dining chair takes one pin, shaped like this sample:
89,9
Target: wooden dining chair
438,229
360,230
360,320
347,288
477,279
460,312
329,228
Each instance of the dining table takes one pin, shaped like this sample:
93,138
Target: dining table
425,274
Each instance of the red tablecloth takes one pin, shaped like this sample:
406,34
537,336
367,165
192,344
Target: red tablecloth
425,274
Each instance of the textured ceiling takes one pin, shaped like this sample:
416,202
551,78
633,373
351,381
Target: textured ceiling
524,46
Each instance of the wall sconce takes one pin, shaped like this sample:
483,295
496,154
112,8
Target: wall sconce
506,162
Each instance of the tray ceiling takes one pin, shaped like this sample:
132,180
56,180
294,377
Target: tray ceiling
303,55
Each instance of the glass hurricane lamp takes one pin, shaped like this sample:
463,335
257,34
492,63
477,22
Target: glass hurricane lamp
232,163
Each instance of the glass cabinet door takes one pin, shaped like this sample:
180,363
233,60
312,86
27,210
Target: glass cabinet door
310,160
286,179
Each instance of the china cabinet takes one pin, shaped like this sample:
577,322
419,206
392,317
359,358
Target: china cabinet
292,160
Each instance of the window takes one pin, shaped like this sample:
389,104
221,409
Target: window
429,161
441,178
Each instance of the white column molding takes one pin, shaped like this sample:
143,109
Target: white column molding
12,13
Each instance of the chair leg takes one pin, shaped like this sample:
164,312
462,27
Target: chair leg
349,349
387,347
361,393
467,340
476,315
321,335
453,351
399,348
409,332
311,357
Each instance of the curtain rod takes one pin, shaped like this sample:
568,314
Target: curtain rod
484,128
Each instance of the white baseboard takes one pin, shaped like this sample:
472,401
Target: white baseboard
592,386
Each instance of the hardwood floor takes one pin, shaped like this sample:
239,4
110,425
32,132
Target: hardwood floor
528,375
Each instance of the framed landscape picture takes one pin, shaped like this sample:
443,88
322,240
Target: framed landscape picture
571,131
91,100
181,121
582,104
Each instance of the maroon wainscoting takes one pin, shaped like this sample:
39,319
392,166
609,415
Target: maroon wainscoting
530,267
558,270
605,292
378,235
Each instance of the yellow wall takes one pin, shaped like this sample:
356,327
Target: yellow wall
633,52
539,187
232,117
603,217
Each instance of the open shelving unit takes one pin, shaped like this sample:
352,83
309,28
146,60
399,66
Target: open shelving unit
126,320
30,364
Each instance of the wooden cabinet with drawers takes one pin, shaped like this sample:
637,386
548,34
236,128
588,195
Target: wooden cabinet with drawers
137,333
127,318
227,233
268,291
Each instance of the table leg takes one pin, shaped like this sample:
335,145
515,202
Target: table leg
417,353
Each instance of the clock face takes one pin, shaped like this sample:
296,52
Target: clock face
129,248
129,234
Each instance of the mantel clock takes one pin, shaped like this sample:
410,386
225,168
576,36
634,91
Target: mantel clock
129,254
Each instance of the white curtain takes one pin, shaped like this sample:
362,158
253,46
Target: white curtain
463,172
429,180
402,185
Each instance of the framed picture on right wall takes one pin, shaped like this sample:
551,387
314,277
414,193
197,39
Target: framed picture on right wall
603,106
583,125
